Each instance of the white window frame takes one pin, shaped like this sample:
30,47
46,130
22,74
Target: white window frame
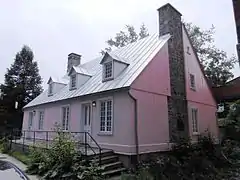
105,131
50,89
105,71
65,120
194,120
71,82
192,85
40,119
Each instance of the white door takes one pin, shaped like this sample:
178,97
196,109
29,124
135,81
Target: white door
30,125
87,115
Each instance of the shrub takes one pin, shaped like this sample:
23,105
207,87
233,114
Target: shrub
4,145
201,160
62,161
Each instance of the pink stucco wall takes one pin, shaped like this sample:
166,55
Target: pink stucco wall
201,98
151,89
122,138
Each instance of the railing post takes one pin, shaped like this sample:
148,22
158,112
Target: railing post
23,140
34,138
47,139
100,157
85,142
11,136
14,136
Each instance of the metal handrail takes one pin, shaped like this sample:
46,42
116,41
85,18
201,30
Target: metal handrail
46,138
100,149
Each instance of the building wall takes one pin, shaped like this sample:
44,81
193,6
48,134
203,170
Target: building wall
236,8
201,98
151,89
121,139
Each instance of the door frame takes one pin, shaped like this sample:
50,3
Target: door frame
83,104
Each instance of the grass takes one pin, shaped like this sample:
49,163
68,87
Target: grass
20,156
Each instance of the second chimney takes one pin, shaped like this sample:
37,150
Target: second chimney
170,23
73,60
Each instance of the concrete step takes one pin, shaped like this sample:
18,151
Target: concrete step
114,172
107,159
112,166
104,153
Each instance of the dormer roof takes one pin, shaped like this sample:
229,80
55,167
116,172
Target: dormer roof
115,57
80,70
63,80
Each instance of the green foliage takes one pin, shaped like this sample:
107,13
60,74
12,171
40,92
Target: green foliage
62,161
4,145
186,161
20,156
216,64
124,38
22,84
232,122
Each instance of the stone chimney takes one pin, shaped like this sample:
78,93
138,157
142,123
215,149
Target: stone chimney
73,60
170,23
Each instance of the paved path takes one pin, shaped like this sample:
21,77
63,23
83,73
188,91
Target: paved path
19,164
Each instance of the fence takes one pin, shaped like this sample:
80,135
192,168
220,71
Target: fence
83,141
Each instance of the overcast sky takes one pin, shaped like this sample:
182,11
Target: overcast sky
55,28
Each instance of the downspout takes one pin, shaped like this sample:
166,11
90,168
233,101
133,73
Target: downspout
135,125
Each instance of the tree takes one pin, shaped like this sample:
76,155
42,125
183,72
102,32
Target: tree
216,64
124,38
22,84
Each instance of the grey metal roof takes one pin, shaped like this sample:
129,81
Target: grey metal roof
138,54
82,70
115,57
63,80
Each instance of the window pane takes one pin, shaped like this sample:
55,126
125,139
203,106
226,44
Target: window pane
73,80
108,70
192,81
102,116
50,88
41,117
67,118
106,116
194,120
63,117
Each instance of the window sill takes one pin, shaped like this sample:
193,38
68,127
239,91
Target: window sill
105,133
72,88
196,133
193,88
107,79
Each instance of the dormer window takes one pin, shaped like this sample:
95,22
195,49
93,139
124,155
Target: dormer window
73,81
108,70
50,89
112,66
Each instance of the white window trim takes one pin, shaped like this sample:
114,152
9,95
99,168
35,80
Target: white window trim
104,71
50,85
192,87
41,111
71,88
69,118
197,121
112,114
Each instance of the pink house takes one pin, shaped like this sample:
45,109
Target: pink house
134,100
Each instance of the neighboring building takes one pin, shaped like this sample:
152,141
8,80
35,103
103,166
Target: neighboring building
236,7
225,95
135,100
